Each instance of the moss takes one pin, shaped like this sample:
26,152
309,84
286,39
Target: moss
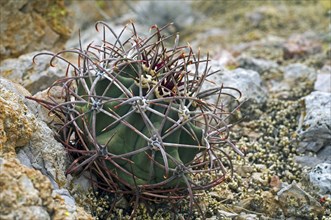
100,3
326,5
274,144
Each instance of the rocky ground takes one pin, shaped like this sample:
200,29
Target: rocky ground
277,54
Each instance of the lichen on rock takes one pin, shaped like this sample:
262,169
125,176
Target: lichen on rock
25,193
16,122
32,162
32,25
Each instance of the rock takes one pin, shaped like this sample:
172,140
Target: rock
16,122
50,95
244,216
297,80
27,194
87,13
203,38
267,48
323,81
91,35
260,178
308,160
321,177
315,131
259,65
249,83
275,183
34,76
68,199
298,46
295,202
26,137
22,129
244,170
32,25
225,58
298,72
260,202
224,214
255,18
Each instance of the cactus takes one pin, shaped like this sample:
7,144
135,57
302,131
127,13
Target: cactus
136,115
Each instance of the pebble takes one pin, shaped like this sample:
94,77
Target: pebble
321,177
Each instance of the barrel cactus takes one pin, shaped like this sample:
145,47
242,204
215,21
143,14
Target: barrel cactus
137,115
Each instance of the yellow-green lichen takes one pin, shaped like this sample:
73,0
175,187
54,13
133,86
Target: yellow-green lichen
16,123
57,16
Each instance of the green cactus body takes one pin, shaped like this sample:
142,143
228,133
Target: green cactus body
187,156
121,139
154,172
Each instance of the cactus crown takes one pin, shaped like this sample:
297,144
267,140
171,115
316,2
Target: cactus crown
135,113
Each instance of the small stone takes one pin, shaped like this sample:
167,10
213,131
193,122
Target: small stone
321,177
295,202
275,182
68,199
225,58
259,178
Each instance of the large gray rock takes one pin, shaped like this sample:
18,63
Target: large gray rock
248,82
315,131
31,148
34,76
254,95
41,151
